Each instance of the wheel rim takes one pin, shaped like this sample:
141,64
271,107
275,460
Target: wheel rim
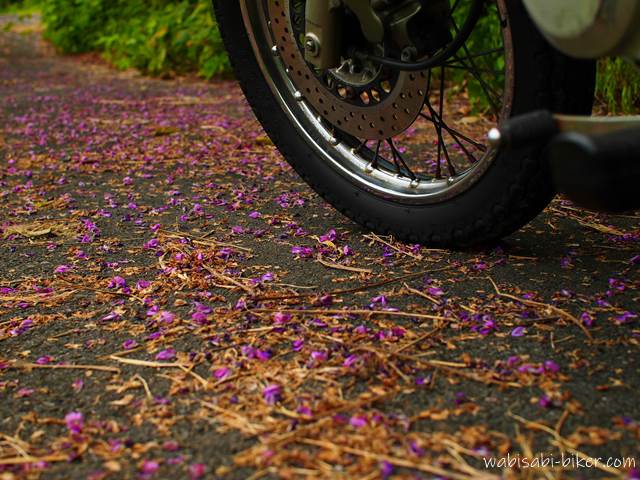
380,163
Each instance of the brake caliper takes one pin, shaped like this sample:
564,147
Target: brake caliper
410,28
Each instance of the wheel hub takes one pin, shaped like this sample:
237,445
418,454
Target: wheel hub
361,100
350,73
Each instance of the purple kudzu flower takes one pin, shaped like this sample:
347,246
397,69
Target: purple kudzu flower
565,262
75,422
272,393
545,402
325,300
149,467
199,317
62,269
117,282
302,252
221,373
166,317
111,316
518,332
316,322
263,355
297,345
142,284
351,360
267,277
386,469
45,359
528,368
586,319
626,317
248,351
152,244
416,449
488,325
168,354
197,470
304,410
170,446
633,474
129,344
381,299
24,392
358,421
551,366
318,356
224,253
280,318
435,291
331,236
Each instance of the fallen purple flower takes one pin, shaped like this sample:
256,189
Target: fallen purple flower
168,354
272,393
518,332
75,422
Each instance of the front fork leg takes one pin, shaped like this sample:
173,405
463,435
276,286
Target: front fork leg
324,21
323,33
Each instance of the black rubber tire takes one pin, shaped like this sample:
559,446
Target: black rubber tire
514,189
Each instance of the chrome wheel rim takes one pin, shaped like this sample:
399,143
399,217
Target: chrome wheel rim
351,157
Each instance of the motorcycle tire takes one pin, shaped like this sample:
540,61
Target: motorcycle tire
513,189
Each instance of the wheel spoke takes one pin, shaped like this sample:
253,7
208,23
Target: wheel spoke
454,133
374,162
472,69
458,138
479,70
450,167
484,53
399,161
358,149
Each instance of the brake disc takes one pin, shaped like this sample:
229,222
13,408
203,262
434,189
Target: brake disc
376,112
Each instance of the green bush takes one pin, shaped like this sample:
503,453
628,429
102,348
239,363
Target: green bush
618,86
159,37
17,5
162,37
6,4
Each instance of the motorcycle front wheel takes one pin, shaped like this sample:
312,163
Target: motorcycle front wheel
403,152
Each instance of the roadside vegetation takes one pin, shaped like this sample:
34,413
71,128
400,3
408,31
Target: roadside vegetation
166,38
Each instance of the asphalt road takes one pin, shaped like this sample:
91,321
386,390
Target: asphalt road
173,297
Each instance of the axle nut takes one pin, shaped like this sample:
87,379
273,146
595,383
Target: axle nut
311,45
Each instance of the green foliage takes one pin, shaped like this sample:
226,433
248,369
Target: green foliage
18,6
162,37
6,4
159,37
618,85
486,37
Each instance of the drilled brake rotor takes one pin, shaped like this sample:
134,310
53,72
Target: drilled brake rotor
386,114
